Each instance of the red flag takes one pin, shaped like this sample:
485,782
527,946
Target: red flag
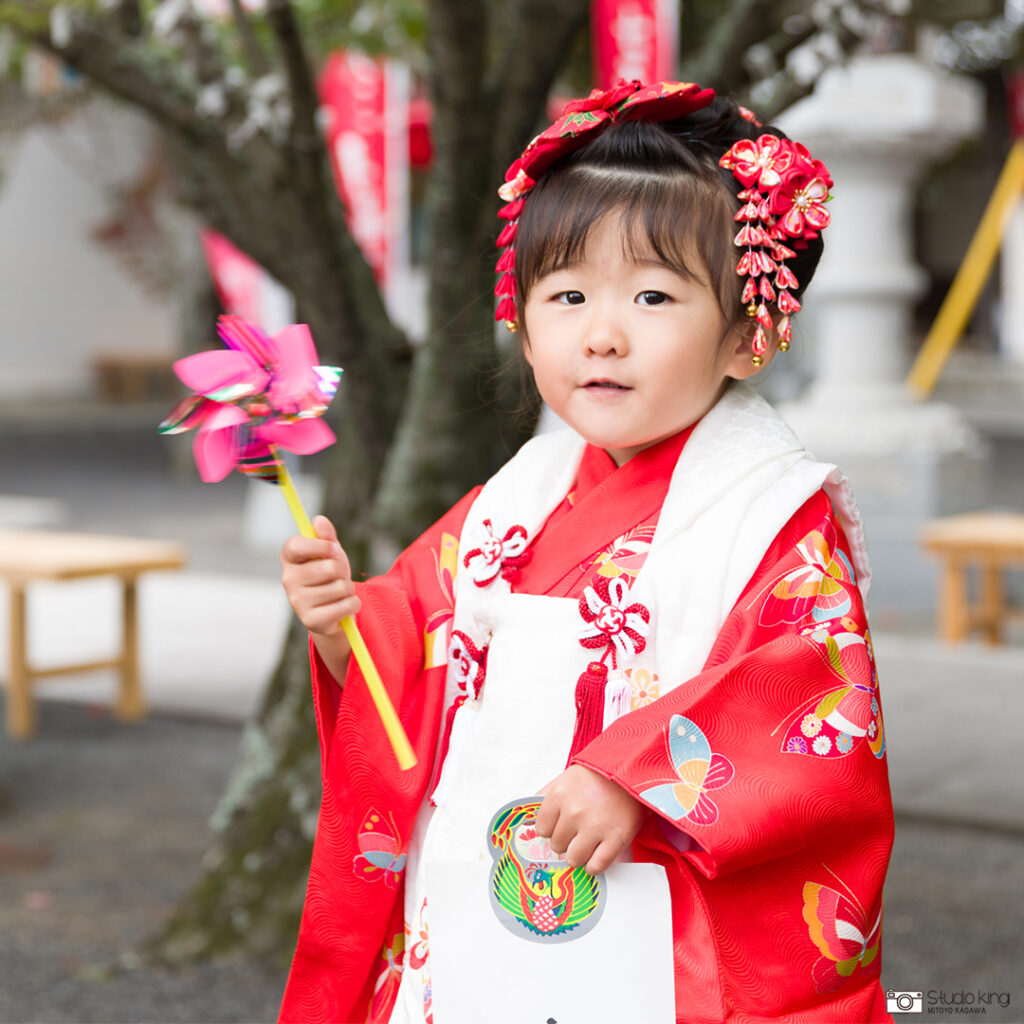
634,39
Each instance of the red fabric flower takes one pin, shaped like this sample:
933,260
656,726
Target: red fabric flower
798,202
759,163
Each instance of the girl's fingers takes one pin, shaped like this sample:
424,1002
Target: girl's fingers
326,619
580,851
603,857
315,573
297,550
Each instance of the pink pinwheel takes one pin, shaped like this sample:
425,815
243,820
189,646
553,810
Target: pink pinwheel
258,394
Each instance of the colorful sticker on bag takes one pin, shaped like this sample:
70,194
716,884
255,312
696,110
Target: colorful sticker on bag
534,893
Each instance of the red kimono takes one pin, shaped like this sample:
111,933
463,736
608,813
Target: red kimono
775,839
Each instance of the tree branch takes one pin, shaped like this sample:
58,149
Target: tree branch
519,88
151,83
254,55
718,65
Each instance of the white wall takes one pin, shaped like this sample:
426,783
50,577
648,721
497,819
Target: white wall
63,297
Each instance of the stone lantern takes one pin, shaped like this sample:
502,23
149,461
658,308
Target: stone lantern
878,123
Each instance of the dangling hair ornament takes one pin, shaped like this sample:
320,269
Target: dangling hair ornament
580,121
783,201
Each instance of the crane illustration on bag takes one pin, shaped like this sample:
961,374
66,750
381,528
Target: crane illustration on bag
534,893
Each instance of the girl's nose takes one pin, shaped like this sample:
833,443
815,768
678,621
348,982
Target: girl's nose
605,335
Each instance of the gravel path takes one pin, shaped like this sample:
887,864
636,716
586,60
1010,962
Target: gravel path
104,824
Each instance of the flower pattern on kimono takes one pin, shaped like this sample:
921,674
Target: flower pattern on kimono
419,946
495,556
698,770
385,989
436,631
610,622
820,588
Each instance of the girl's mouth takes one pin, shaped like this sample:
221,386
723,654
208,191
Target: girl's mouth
605,385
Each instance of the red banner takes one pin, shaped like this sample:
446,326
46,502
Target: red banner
367,133
634,39
1015,101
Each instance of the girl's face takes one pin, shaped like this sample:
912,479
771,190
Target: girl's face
625,350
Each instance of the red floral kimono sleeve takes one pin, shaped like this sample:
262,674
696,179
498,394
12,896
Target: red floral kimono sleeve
778,743
767,776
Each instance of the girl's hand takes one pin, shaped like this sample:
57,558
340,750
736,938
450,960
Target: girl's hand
317,579
588,819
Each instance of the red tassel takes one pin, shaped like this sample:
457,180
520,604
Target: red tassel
511,210
506,261
507,235
590,689
506,310
449,721
506,286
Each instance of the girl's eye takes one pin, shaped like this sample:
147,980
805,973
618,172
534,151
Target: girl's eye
651,298
571,298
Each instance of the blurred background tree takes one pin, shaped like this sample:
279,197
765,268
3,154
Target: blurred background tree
236,102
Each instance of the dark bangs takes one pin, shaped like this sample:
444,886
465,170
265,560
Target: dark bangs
672,202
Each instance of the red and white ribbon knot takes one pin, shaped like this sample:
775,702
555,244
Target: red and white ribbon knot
497,556
611,623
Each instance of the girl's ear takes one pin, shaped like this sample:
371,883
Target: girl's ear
740,365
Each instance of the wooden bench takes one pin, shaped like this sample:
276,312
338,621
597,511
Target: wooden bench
27,555
990,542
134,376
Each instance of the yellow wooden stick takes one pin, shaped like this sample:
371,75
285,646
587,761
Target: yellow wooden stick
389,718
970,278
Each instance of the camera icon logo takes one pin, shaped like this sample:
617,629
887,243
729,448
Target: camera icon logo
904,1002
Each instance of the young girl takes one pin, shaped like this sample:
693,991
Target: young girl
654,621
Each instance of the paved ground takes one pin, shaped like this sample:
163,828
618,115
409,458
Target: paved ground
103,830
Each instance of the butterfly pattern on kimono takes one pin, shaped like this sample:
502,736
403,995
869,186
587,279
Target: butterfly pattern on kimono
835,723
847,937
379,857
625,555
698,770
820,588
